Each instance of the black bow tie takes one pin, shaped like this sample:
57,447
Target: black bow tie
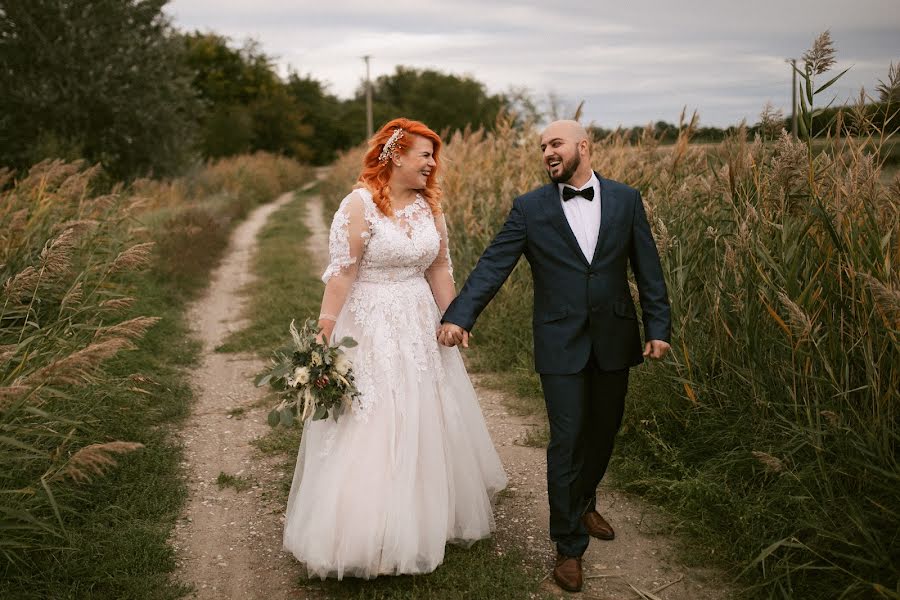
586,193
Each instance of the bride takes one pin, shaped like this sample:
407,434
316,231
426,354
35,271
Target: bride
412,467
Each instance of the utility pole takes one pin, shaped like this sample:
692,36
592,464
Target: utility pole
793,62
368,100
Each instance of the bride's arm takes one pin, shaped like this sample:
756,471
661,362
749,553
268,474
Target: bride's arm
440,273
346,244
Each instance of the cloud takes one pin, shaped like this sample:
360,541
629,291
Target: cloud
631,62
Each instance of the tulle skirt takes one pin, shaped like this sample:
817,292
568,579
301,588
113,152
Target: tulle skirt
383,489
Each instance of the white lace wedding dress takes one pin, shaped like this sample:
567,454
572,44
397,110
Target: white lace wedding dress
383,489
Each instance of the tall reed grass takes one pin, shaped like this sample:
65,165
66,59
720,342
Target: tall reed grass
74,264
772,431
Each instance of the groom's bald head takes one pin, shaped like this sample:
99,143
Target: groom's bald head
571,130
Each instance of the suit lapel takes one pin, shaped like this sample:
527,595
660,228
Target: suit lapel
607,206
553,207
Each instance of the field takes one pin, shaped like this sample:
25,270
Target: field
95,364
768,436
771,431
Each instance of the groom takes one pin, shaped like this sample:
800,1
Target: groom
579,235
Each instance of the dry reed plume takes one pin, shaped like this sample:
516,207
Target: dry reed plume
71,257
95,460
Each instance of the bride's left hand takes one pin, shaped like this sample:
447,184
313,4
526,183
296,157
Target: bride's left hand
452,335
326,328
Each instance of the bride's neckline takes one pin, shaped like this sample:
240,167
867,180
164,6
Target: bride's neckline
406,211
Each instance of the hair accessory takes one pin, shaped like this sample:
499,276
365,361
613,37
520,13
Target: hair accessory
388,150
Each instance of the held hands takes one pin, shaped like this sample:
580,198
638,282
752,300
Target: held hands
656,349
452,335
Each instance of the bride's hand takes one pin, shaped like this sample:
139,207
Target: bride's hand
451,335
326,329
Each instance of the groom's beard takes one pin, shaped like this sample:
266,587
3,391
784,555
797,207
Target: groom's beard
568,169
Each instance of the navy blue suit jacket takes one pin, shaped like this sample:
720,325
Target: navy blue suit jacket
579,305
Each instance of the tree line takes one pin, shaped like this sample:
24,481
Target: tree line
114,82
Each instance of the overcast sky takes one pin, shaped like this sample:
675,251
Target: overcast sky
631,61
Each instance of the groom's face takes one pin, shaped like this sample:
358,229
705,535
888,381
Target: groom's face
561,157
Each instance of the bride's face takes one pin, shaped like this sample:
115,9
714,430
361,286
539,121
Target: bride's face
412,168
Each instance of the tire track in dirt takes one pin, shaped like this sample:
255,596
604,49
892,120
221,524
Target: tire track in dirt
228,542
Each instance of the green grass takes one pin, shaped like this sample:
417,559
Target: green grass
522,387
235,482
479,572
117,526
288,288
537,437
280,440
237,413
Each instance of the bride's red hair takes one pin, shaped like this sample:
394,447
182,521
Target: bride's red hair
376,175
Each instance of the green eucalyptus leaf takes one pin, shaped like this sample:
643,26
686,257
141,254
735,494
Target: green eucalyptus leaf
283,370
273,418
348,342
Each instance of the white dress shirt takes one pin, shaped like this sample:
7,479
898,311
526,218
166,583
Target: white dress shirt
584,216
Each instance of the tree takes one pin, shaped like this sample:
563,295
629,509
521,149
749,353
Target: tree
99,79
334,123
442,101
278,125
247,105
225,75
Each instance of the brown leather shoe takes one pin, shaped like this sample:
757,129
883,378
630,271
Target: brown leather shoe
597,526
567,573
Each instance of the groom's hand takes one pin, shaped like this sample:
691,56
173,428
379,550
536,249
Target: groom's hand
452,335
656,349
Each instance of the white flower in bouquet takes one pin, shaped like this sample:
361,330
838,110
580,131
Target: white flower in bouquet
317,376
301,375
342,364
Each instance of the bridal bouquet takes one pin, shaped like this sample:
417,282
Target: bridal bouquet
312,378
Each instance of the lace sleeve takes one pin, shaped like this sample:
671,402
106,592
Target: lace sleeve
440,273
346,244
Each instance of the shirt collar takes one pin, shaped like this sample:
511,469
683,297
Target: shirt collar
593,181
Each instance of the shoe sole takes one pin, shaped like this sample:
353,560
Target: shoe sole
565,587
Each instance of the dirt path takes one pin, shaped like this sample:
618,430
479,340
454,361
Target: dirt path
228,542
